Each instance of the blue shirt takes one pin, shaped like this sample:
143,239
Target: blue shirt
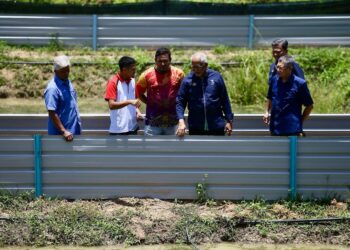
209,107
296,71
60,96
287,100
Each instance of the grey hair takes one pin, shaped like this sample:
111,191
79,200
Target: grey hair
287,61
200,56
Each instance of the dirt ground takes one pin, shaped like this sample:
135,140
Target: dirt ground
152,221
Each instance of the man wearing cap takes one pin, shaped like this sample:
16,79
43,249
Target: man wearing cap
61,102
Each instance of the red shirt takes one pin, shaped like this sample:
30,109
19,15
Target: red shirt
161,91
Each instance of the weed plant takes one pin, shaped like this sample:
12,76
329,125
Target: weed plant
326,71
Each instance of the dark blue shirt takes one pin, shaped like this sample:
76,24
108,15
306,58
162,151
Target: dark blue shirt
287,100
61,97
209,107
296,71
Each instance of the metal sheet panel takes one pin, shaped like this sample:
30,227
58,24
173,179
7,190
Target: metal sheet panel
174,30
154,163
244,124
324,167
167,167
16,163
318,30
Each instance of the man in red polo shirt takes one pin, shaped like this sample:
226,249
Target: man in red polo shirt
161,83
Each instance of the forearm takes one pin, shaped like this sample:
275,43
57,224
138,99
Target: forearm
143,98
118,105
56,121
306,113
268,106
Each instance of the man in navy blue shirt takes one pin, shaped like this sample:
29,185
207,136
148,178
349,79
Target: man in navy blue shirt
61,102
280,48
204,93
286,95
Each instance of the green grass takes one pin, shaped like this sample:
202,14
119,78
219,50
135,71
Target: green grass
326,70
54,222
84,2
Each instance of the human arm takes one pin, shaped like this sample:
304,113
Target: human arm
226,108
113,104
306,101
306,112
181,128
142,97
68,136
141,87
139,115
181,103
266,116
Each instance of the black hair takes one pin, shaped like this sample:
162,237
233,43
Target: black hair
126,61
163,51
282,42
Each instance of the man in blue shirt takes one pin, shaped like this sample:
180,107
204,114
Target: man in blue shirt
61,102
204,92
286,95
280,48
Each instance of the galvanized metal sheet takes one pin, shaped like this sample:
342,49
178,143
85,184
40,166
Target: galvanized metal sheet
167,167
140,161
168,144
16,144
174,30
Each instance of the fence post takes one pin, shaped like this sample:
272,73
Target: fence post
37,166
293,166
94,32
251,32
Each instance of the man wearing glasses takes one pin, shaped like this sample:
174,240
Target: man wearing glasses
204,93
286,95
161,83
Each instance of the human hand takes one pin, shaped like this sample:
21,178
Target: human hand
139,116
228,128
181,128
266,118
68,136
135,102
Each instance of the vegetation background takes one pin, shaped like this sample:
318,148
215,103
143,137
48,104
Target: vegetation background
22,82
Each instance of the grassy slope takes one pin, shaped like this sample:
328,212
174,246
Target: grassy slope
326,71
83,2
40,222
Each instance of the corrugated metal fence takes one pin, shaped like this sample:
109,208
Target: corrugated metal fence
101,31
168,167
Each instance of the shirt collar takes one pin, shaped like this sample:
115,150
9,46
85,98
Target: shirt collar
60,81
122,79
290,79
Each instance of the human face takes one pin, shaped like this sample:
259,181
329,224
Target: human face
278,51
128,72
199,68
63,73
163,63
283,72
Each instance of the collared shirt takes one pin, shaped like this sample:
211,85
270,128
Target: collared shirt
123,120
287,100
296,71
209,107
61,97
161,91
